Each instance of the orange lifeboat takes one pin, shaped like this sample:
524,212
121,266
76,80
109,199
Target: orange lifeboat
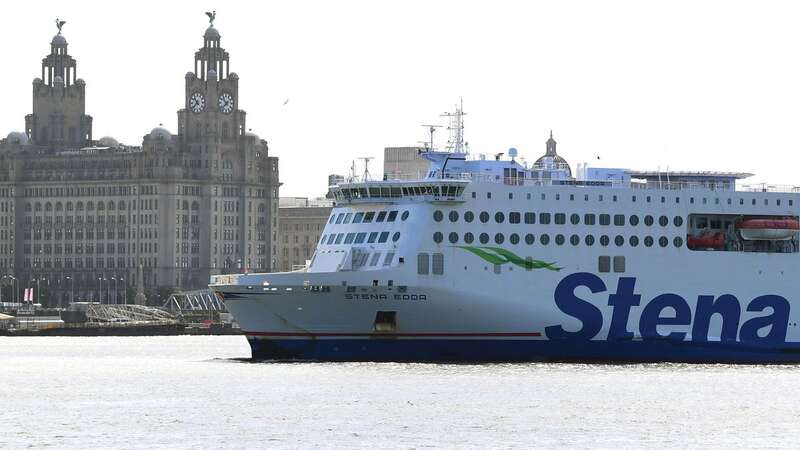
768,229
714,241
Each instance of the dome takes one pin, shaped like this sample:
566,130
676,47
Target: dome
16,137
189,75
252,135
59,40
211,33
160,132
108,141
551,160
212,75
233,76
80,82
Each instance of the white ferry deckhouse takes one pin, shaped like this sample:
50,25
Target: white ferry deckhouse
489,259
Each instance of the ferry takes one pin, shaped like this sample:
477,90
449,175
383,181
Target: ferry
491,259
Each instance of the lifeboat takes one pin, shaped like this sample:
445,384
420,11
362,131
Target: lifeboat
768,229
714,241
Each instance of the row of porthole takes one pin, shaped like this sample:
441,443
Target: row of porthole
544,218
559,239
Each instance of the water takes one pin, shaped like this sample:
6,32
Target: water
199,392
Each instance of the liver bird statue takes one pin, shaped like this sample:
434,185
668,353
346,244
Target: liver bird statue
211,16
60,23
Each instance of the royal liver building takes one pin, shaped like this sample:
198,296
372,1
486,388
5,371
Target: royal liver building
84,218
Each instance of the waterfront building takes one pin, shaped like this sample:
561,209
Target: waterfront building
404,163
301,223
81,218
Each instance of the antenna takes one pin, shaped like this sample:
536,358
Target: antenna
366,160
352,172
455,142
431,130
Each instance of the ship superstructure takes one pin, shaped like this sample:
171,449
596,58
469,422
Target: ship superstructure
490,259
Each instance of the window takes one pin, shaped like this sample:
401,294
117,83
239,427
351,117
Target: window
423,264
383,237
604,240
544,218
544,239
604,264
468,238
514,238
372,237
499,238
453,216
513,217
560,218
358,217
530,218
339,218
574,219
484,216
396,236
648,241
663,221
619,220
392,216
388,260
663,241
605,219
529,239
619,241
574,239
588,219
619,264
484,238
678,242
404,216
634,220
339,238
453,237
349,238
438,264
360,238
368,217
438,216
381,216
559,239
648,220
347,217
499,217
375,258
469,217
633,241
589,240
678,221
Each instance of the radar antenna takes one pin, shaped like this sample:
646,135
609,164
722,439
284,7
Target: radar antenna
366,160
431,130
352,177
455,143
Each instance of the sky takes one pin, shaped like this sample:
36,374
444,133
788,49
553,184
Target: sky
695,85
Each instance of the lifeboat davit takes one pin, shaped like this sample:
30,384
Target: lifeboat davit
768,229
714,241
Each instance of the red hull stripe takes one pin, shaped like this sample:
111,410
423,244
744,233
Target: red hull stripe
302,334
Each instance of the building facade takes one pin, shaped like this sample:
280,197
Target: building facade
82,218
404,163
301,223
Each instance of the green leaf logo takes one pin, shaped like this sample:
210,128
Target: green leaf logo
498,255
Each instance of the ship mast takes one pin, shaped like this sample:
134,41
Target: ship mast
455,143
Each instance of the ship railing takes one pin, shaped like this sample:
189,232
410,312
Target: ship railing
765,187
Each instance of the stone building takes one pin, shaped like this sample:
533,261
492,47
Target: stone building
79,216
301,224
404,163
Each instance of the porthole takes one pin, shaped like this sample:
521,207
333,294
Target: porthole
663,221
663,241
452,237
633,241
678,221
469,217
589,240
677,242
437,237
559,239
499,238
648,220
453,216
574,239
484,238
438,216
634,220
514,238
619,241
574,219
396,236
648,241
468,238
604,240
499,217
544,239
484,217
404,216
529,239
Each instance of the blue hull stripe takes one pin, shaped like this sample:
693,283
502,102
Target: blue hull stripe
517,350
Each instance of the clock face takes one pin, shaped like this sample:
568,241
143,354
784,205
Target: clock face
197,102
226,103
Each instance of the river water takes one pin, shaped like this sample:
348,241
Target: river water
201,392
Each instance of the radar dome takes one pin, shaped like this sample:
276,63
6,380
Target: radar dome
160,132
108,141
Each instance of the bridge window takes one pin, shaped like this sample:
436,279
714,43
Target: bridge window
360,238
347,218
358,217
392,216
349,238
372,237
368,217
381,216
383,237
